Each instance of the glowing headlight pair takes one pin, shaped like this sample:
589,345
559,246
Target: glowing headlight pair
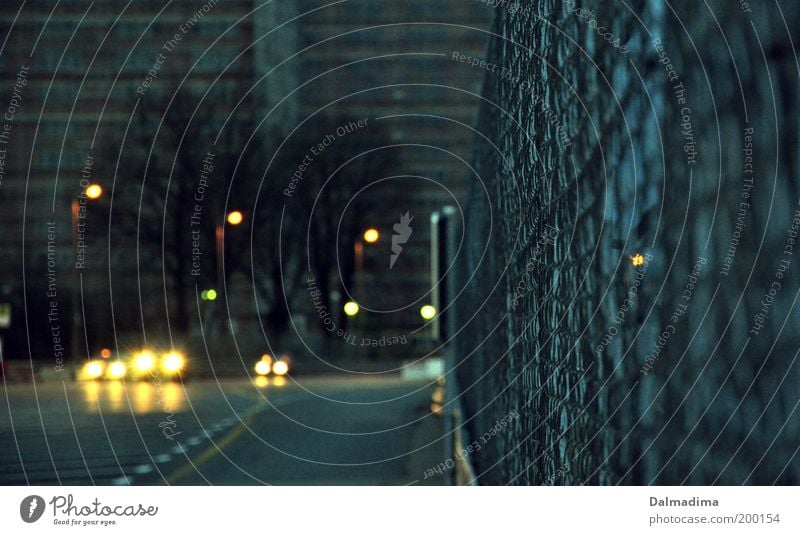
172,362
95,370
265,366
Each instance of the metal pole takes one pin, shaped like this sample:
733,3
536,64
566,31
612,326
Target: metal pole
219,234
435,289
76,316
358,249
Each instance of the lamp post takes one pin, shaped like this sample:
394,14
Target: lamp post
92,192
234,218
370,236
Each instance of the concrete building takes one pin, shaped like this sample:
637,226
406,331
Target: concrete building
393,62
79,73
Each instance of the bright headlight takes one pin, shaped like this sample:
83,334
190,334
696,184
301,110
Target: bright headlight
93,369
262,367
280,368
116,370
145,361
173,361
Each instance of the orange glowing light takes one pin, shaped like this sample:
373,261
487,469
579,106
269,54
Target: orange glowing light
94,191
235,217
637,260
371,235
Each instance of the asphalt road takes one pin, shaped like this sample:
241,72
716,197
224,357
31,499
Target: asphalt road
343,430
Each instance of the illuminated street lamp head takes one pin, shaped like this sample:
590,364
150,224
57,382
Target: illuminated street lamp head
351,308
637,260
94,191
235,217
371,235
428,312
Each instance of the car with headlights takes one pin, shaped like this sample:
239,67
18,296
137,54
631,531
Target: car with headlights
91,370
140,365
267,365
148,363
100,370
101,367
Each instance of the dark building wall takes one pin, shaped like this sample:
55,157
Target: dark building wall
392,63
87,71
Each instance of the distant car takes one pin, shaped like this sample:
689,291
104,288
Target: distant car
92,370
266,365
146,364
141,365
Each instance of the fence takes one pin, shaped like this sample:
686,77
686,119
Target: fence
610,281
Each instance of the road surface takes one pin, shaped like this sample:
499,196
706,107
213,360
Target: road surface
342,430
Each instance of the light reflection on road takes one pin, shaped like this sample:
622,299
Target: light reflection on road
279,381
147,397
264,382
141,397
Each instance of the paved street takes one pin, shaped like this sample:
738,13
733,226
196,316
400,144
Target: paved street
343,430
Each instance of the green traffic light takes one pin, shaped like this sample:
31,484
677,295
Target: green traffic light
208,295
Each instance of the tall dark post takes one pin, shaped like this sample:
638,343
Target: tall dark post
443,250
76,315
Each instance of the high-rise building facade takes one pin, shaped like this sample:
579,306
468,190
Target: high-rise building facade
79,75
393,62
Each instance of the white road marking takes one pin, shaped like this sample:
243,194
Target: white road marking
193,441
143,469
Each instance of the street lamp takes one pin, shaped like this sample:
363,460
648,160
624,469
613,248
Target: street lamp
94,191
371,235
351,308
91,192
235,218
